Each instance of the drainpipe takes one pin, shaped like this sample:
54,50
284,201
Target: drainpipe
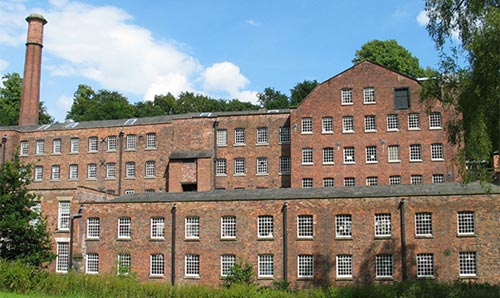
284,209
403,239
4,144
216,126
71,220
120,158
172,256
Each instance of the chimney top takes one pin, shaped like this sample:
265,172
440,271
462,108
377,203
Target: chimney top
35,16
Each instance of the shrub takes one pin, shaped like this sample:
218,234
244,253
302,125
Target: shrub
241,273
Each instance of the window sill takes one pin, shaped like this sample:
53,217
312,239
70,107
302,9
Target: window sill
468,277
347,104
191,277
91,179
394,161
284,143
306,132
438,160
37,181
371,162
130,150
308,164
328,163
73,179
414,129
111,151
130,178
152,148
327,132
110,178
220,145
370,131
393,130
435,128
369,103
426,277
240,175
92,152
239,145
262,174
262,144
74,153
349,163
348,131
149,177
221,175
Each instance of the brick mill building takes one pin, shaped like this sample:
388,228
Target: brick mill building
357,184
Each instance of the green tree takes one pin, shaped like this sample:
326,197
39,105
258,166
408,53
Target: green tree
390,54
23,232
236,105
300,91
101,105
472,89
272,99
10,99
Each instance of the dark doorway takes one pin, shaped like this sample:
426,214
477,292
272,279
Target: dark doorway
189,187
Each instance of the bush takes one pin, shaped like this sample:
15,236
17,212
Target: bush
241,273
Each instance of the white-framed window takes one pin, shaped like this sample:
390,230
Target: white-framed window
423,224
307,156
425,265
371,154
56,146
393,153
467,263
124,227
372,180
265,226
369,95
221,137
343,225
192,227
370,123
435,120
394,180
157,227
56,172
226,263
62,259
63,215
348,124
74,145
112,143
307,182
437,152
131,142
305,266
349,181
328,155
413,121
437,178
221,167
92,264
129,191
327,125
328,182
93,144
416,179
239,136
262,135
392,122
151,140
383,226
150,168
124,264
307,125
415,152
228,227
73,172
192,265
346,96
36,209
383,266
265,265
466,223
262,166
344,266
111,170
285,135
40,147
305,226
93,227
157,266
284,165
349,155
130,169
239,166
91,171
24,148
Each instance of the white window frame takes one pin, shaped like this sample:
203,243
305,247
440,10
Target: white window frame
40,147
425,265
344,266
371,154
416,179
423,224
369,95
56,172
24,148
393,154
221,167
262,136
192,265
124,227
221,137
383,225
306,125
93,227
239,136
131,142
262,168
157,227
349,181
93,144
38,173
111,170
112,143
437,152
151,140
328,155
307,182
372,180
284,135
370,123
435,121
328,182
305,226
346,96
129,191
467,263
327,125
414,121
228,227
265,266
466,223
343,226
307,156
150,169
63,215
156,265
92,171
74,146
62,258
384,266
394,180
130,169
265,226
415,152
285,168
226,264
392,122
124,264
73,172
437,178
348,124
239,166
349,155
305,266
56,146
92,263
192,227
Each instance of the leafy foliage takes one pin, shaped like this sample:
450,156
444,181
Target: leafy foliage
390,54
10,99
272,99
23,232
241,274
473,90
301,91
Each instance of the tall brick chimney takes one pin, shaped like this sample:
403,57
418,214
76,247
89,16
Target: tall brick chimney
30,96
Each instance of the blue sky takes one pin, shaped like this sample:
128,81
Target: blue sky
220,48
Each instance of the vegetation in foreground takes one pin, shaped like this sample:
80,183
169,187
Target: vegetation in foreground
16,277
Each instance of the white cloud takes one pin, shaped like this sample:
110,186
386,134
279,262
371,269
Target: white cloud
423,18
12,23
3,65
252,22
226,77
59,108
